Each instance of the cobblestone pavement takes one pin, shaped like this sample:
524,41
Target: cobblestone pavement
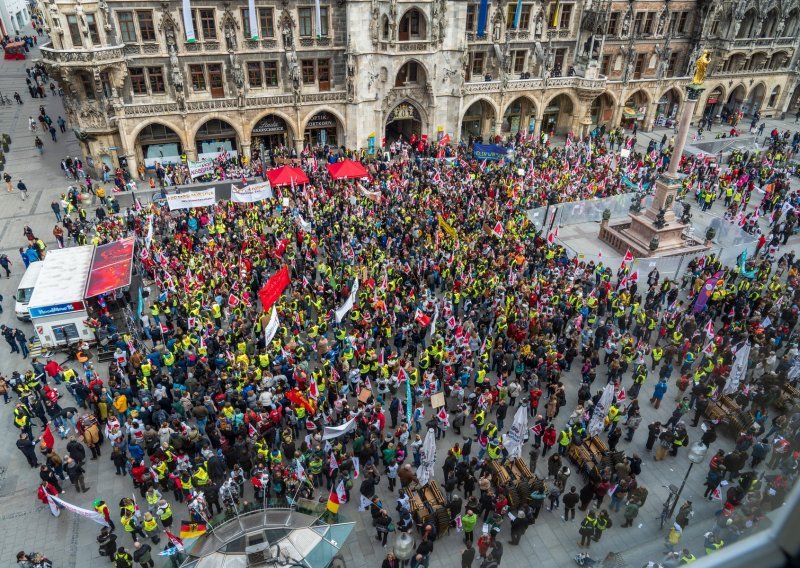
26,524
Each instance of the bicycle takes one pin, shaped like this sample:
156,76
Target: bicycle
673,494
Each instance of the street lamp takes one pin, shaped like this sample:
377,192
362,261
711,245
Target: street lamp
697,453
403,546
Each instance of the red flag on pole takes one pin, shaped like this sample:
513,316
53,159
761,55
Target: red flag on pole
274,287
421,318
47,437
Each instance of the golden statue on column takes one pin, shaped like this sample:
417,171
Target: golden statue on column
701,67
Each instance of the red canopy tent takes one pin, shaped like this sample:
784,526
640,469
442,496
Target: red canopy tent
286,175
347,169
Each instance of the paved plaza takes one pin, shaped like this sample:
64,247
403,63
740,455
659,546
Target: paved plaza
26,524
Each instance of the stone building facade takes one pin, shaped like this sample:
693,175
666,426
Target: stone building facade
139,89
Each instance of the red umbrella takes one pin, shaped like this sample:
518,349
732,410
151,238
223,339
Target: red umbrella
347,169
286,175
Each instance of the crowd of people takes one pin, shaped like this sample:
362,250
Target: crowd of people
427,278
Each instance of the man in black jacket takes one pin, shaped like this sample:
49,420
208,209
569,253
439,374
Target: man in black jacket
28,449
75,473
76,451
518,527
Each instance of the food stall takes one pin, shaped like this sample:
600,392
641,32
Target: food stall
57,307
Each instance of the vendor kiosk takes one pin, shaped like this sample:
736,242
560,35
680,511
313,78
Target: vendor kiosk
57,307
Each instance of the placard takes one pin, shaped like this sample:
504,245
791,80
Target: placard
437,400
190,199
364,395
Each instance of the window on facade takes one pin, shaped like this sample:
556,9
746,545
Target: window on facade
565,16
639,66
477,64
304,21
271,73
88,86
649,20
94,34
198,75
613,23
138,82
672,66
407,75
683,23
410,26
605,65
524,16
74,31
324,74
266,22
147,30
214,75
308,71
208,25
127,29
156,77
472,18
323,21
519,61
637,23
255,77
673,22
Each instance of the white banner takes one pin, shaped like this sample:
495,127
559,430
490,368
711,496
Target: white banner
197,169
148,239
336,431
738,370
86,513
435,318
253,19
188,21
305,225
351,300
513,439
272,327
190,199
251,193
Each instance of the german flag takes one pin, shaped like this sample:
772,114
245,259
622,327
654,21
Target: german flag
192,530
333,501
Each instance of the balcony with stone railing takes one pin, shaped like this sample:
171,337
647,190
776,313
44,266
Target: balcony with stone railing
82,57
753,43
476,87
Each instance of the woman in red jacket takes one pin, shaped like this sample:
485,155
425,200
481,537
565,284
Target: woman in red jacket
548,439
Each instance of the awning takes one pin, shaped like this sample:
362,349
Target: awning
111,268
629,112
286,175
347,169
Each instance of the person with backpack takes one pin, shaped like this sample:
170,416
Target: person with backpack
123,558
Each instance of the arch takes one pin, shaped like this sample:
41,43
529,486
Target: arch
770,25
750,25
327,120
385,28
667,107
735,62
755,99
495,110
213,136
794,102
405,119
566,93
736,97
411,72
714,101
479,119
271,133
602,108
757,61
778,60
134,134
792,20
158,141
557,113
639,96
773,97
519,115
413,26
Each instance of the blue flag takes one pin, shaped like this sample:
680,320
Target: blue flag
408,401
483,12
517,14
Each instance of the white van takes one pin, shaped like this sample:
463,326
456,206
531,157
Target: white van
25,290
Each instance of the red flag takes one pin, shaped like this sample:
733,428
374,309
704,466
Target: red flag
274,287
550,238
442,414
621,395
451,323
298,399
177,543
313,389
252,432
401,375
634,277
47,437
498,229
421,318
710,329
233,301
628,256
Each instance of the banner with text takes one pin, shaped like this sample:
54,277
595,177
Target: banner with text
191,199
489,152
197,169
252,193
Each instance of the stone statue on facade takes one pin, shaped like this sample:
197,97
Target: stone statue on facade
103,5
626,24
350,77
662,22
376,22
538,28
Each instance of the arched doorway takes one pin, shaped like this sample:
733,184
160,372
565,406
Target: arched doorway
794,104
158,143
635,109
602,110
269,132
667,108
478,121
321,129
750,24
773,98
403,122
714,103
215,137
755,100
520,116
557,114
735,99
